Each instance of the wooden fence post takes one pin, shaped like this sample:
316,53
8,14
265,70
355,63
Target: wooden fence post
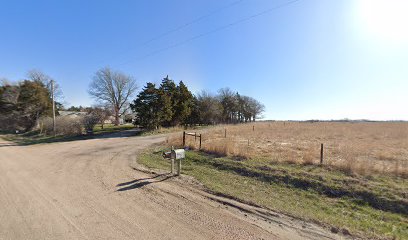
321,154
195,137
225,133
253,128
200,142
184,138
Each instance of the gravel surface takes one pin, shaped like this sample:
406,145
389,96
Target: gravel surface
89,189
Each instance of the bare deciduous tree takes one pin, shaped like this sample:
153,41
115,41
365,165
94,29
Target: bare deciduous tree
210,109
4,82
114,88
255,108
38,76
101,112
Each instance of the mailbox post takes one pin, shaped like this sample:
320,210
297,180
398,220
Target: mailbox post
178,155
175,155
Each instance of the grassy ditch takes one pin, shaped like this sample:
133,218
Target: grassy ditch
369,206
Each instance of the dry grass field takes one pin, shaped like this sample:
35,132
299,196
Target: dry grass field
356,147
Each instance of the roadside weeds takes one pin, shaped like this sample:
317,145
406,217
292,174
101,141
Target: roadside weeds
360,206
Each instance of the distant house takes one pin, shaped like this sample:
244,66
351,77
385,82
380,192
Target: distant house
128,118
71,114
111,120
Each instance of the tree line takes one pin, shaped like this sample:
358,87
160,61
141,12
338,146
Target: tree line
169,104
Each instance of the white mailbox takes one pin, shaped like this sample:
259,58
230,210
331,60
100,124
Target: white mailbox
178,154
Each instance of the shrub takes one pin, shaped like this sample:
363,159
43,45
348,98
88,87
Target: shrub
89,122
66,125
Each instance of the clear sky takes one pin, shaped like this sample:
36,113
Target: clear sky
312,59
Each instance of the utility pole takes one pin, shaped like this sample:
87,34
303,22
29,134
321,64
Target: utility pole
53,108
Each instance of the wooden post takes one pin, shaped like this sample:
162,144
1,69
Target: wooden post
248,142
172,161
178,167
253,128
184,138
172,165
200,141
54,125
195,137
225,133
321,154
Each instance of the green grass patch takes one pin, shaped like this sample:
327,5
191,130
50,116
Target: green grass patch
374,207
111,128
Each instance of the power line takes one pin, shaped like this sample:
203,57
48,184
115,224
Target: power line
181,27
242,20
192,22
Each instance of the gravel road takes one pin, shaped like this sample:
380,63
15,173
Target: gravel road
89,189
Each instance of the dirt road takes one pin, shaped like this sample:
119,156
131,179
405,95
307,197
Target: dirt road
88,190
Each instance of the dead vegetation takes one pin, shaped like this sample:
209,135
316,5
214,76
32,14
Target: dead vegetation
358,148
67,126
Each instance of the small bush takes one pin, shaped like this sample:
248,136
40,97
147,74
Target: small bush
65,125
89,121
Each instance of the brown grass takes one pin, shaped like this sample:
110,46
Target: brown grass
358,148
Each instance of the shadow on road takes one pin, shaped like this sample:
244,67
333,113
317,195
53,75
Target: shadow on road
138,183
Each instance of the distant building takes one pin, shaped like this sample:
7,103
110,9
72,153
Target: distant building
72,114
128,118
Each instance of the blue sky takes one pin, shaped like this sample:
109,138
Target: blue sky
313,59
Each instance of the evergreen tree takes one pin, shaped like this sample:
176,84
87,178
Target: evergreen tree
8,98
168,92
173,104
23,104
184,104
147,107
166,112
34,101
